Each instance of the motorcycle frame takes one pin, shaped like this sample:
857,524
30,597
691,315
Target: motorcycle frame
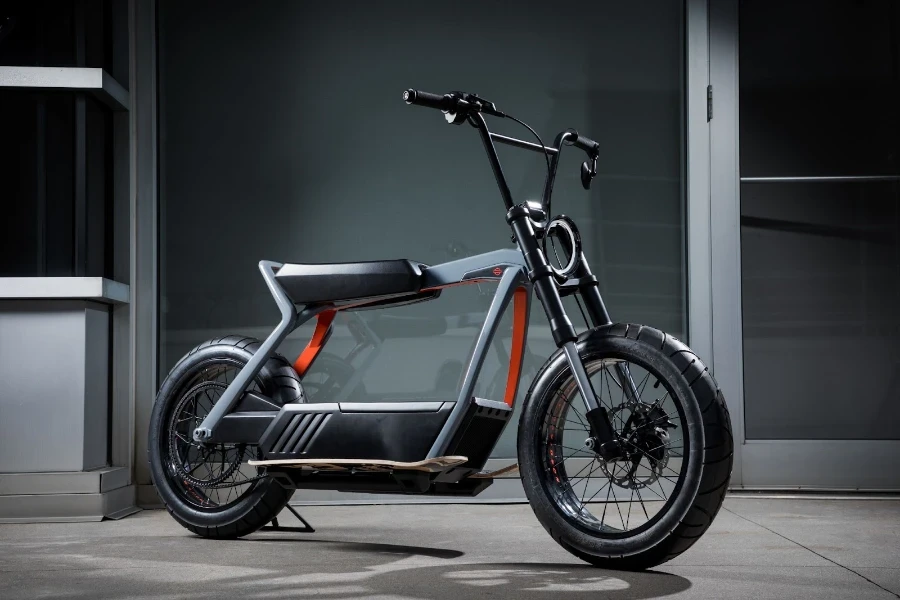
516,271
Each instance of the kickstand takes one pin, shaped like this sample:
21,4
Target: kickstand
307,528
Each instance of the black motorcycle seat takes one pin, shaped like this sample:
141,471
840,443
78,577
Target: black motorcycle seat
311,283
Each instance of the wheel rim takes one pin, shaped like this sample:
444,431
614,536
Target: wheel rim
210,477
622,498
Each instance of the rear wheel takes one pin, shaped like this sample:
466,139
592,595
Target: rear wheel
659,498
209,488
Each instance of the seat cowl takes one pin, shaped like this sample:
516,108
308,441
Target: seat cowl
309,283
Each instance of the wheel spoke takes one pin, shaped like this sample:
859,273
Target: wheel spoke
630,502
636,489
606,505
563,460
605,376
587,480
619,510
571,482
580,418
604,486
582,449
677,474
580,471
659,483
643,386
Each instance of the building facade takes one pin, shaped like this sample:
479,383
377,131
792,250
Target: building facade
748,201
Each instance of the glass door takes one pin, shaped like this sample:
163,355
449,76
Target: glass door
817,134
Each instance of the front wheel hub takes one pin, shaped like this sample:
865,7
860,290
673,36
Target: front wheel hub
608,451
642,447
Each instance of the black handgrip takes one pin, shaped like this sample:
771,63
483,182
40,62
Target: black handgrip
445,103
586,144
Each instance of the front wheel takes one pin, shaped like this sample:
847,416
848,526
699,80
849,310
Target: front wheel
656,501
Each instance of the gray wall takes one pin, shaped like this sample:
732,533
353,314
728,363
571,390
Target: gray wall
53,411
283,136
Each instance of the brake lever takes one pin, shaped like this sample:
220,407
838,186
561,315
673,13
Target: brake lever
471,101
459,117
485,106
588,172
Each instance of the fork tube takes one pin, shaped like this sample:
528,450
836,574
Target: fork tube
590,291
541,275
561,327
599,317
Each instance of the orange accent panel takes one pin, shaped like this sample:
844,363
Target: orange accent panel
517,348
306,358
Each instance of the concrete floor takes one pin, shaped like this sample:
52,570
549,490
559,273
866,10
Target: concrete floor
757,548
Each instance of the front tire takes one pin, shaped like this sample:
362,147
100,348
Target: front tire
677,472
209,489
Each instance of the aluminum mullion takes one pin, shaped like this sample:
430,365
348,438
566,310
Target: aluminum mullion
80,266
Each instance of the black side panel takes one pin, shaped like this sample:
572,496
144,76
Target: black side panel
253,414
481,427
405,437
396,432
243,427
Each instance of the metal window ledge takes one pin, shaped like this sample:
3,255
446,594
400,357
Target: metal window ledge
56,508
106,89
62,497
97,481
97,289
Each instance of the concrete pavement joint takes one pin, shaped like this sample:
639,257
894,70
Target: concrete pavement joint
808,549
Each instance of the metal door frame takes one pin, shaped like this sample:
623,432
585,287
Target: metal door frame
714,279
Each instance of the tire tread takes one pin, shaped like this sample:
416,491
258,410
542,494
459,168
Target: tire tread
717,459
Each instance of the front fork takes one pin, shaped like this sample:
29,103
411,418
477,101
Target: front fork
603,436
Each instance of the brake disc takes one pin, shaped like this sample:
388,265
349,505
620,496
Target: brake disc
646,440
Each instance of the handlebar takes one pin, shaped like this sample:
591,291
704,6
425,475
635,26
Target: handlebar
445,103
453,103
459,107
460,103
586,144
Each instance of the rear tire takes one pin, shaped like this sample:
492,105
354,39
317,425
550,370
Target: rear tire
189,502
705,461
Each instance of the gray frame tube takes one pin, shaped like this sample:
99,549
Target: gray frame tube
511,280
290,320
454,271
435,276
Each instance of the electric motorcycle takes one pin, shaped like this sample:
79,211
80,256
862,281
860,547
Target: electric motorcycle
624,443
